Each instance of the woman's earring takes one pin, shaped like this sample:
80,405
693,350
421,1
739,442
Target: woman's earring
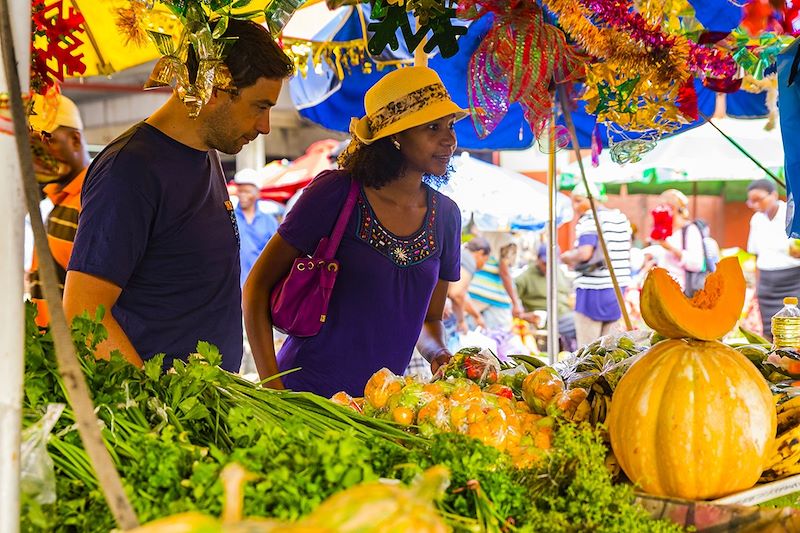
396,144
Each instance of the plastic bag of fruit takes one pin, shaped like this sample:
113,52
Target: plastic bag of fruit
385,506
476,364
603,362
380,387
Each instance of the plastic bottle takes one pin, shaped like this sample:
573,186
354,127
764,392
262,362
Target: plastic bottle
786,325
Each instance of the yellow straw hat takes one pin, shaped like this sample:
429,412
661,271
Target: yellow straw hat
403,99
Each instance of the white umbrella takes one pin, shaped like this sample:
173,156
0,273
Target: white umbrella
498,199
700,154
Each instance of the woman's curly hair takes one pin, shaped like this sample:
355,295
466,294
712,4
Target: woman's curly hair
379,163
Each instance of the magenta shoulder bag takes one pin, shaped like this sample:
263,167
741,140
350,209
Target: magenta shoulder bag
299,302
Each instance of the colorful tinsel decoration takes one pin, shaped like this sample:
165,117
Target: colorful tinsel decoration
643,103
517,61
756,54
646,42
703,61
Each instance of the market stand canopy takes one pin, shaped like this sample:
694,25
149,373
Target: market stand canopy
507,95
686,157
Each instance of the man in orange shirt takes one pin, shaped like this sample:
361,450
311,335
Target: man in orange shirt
61,166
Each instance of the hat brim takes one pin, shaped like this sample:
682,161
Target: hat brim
360,127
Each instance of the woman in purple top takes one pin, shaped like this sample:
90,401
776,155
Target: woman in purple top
399,252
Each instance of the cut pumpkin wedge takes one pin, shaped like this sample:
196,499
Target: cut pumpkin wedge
711,313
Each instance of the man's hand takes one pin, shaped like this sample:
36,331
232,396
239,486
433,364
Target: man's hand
462,326
480,322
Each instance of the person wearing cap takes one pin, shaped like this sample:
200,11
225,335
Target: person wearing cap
532,290
777,256
597,312
57,130
399,253
157,243
685,256
256,228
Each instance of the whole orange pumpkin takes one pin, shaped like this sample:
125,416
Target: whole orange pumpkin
692,419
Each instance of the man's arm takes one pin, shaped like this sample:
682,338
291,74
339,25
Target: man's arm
84,292
511,290
462,304
578,255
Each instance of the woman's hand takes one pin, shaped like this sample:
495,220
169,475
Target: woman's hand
273,263
440,360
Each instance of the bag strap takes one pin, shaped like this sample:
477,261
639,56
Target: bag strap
341,222
702,242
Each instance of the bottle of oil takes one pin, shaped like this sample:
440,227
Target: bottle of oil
786,325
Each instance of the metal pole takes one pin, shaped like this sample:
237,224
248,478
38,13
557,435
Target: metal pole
552,246
12,311
68,363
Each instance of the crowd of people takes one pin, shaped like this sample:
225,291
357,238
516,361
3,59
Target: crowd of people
158,243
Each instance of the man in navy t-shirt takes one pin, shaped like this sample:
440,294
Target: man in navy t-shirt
157,242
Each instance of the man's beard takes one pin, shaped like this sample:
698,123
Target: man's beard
218,133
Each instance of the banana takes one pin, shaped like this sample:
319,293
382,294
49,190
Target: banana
599,408
601,403
788,405
780,462
788,419
780,398
785,445
780,472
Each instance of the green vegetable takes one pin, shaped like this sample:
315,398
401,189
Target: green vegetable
170,435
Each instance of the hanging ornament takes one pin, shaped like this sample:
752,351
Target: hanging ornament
278,13
54,43
389,17
517,61
208,47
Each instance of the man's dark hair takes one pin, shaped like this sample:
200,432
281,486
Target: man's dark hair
253,55
765,185
379,163
479,244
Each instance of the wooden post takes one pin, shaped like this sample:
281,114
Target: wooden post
68,364
12,311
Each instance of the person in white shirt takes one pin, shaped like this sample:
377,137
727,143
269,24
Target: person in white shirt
777,261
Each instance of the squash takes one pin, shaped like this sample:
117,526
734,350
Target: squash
692,419
710,314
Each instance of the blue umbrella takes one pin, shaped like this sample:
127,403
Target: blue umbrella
330,102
